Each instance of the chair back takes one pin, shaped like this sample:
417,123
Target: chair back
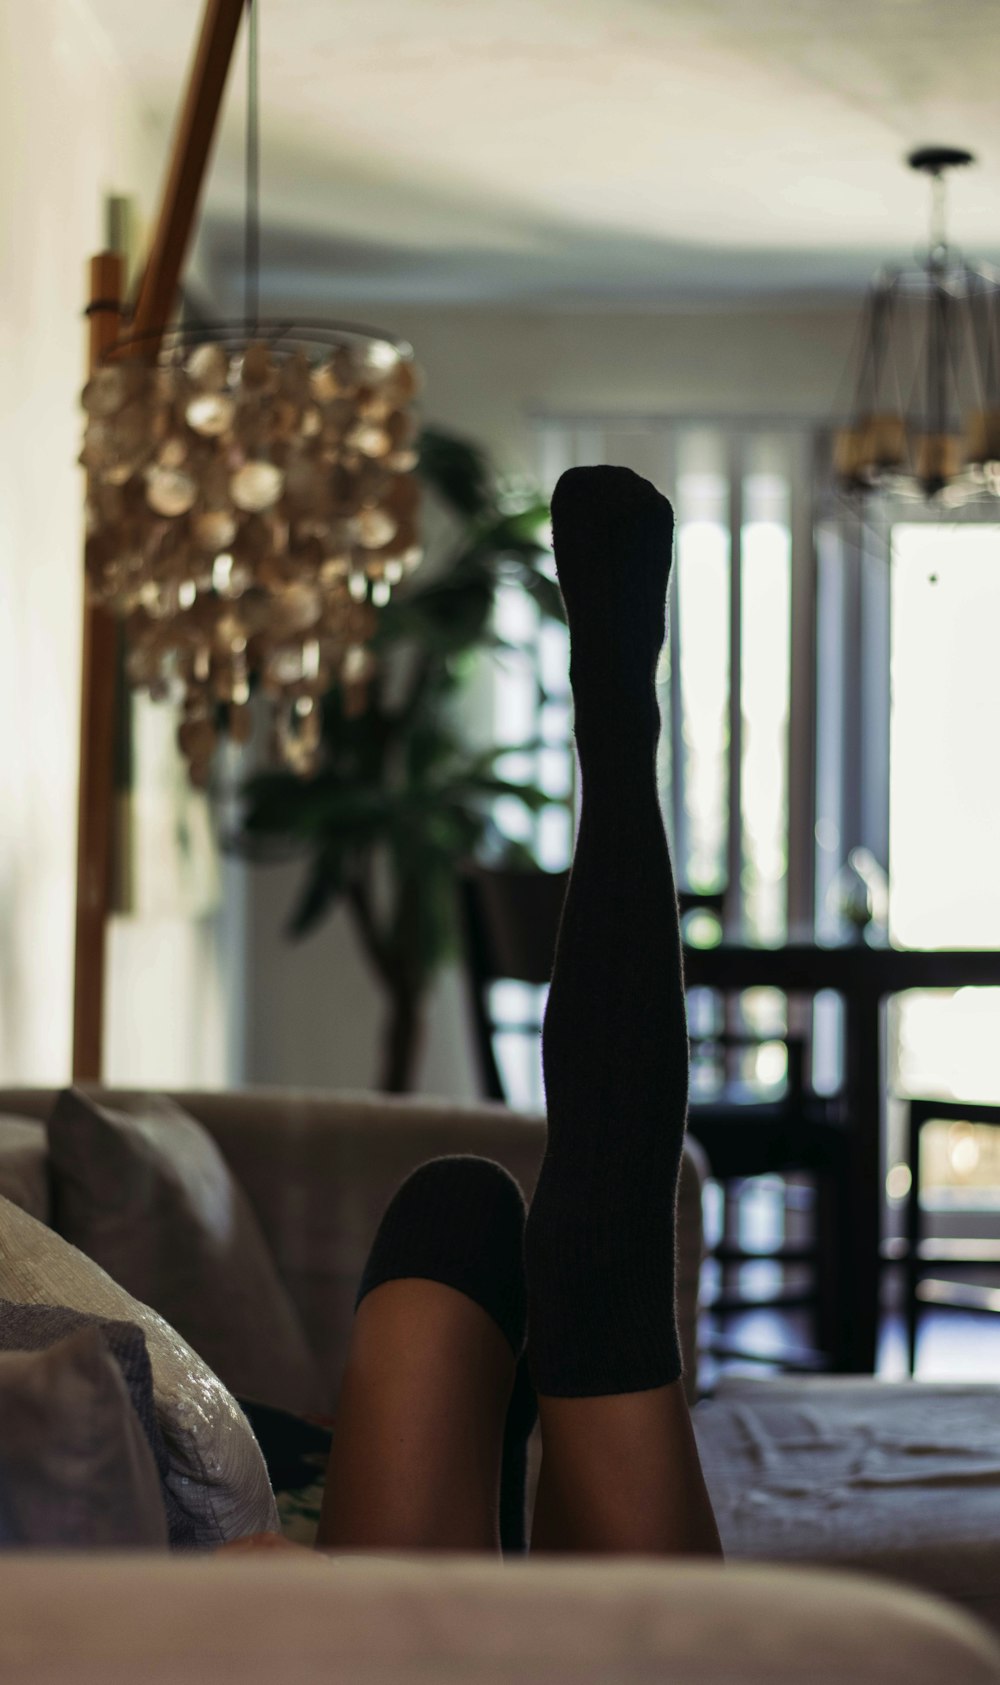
510,922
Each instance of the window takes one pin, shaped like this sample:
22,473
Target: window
904,769
944,819
726,679
784,748
531,713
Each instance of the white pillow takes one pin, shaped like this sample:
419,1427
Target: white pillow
217,1473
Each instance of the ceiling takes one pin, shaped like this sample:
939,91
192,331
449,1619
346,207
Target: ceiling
586,152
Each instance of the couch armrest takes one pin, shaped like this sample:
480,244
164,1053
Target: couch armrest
471,1621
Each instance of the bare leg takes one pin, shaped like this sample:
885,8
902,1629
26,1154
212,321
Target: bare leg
415,1461
622,1473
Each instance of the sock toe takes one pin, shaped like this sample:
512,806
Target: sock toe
602,514
612,534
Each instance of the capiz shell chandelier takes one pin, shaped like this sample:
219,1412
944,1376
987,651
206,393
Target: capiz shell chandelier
925,414
251,506
251,503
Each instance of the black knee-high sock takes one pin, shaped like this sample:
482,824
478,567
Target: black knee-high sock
460,1221
600,1232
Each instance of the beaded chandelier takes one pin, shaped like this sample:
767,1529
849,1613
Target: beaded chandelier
251,504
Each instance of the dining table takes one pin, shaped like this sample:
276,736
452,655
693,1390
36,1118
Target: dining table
864,975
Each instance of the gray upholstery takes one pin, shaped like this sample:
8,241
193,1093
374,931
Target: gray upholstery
311,1620
146,1193
320,1168
76,1469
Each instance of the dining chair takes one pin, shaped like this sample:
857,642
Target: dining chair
922,1254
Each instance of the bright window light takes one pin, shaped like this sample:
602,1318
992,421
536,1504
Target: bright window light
945,797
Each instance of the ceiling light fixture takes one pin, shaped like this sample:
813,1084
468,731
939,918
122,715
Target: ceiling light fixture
252,502
925,415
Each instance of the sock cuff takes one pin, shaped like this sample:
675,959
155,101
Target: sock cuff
593,1372
459,1221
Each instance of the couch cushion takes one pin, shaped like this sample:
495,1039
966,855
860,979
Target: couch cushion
216,1473
274,1617
76,1469
24,1166
321,1169
899,1478
146,1193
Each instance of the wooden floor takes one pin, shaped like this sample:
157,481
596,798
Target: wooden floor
954,1345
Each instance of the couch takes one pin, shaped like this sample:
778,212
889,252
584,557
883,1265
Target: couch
318,1170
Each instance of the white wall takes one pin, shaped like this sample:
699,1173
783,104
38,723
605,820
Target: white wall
70,133
311,1008
489,371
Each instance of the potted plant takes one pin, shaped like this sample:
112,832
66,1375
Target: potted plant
401,797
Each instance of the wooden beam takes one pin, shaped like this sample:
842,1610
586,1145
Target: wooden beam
97,719
188,167
155,305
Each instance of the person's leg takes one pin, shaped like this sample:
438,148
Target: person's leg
415,1460
422,1430
620,1468
621,1473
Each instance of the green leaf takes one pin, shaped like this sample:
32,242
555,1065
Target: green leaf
450,615
521,532
546,593
323,886
275,802
458,471
443,617
479,788
532,521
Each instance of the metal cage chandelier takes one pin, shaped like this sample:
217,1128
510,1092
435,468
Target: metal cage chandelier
251,504
925,414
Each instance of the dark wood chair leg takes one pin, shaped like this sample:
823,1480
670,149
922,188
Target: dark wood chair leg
914,1227
828,1292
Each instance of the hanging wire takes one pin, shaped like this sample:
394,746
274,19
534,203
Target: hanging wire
251,244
